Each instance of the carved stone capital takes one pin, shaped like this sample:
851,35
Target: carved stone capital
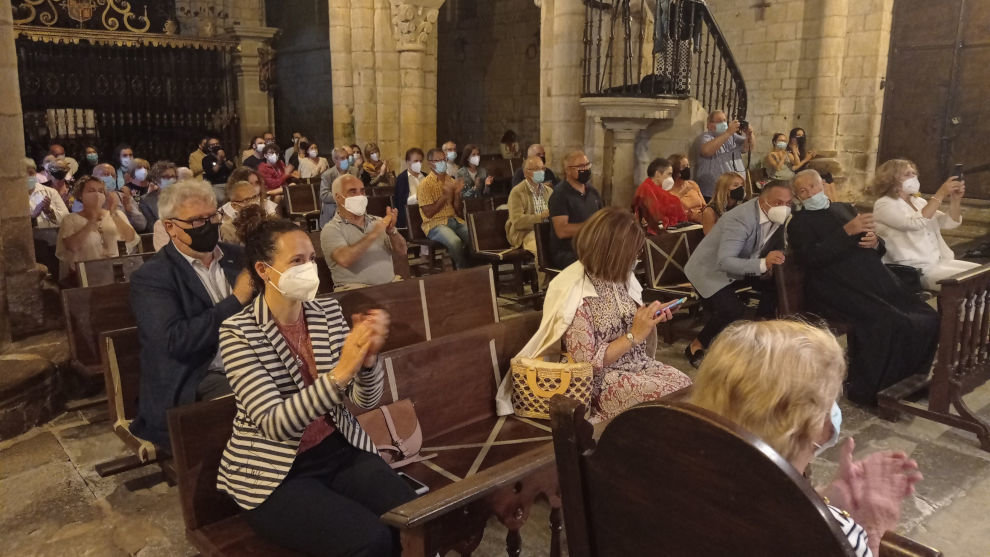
412,23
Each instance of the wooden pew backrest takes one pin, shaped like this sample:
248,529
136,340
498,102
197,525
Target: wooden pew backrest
460,300
488,230
402,300
301,200
789,279
121,355
112,270
667,254
91,311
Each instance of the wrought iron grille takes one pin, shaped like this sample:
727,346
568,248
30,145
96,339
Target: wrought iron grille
690,57
157,99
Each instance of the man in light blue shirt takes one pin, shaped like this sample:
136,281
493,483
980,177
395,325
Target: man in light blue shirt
720,149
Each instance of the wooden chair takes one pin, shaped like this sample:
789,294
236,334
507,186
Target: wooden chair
382,190
666,255
377,204
489,243
501,172
112,270
789,282
148,243
962,362
302,203
88,312
435,250
322,268
478,204
668,478
543,232
758,177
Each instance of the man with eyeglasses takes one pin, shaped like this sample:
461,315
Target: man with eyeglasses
442,209
180,297
574,200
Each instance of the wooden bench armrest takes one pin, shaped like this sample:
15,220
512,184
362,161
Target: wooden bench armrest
898,545
455,496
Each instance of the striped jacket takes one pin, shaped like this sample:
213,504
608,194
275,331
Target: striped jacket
273,406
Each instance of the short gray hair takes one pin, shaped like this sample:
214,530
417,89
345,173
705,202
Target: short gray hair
338,184
338,154
180,193
531,152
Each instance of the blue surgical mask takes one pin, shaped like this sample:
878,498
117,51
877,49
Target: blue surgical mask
345,164
540,176
440,167
350,159
816,202
31,182
110,182
166,182
836,417
721,127
92,158
451,155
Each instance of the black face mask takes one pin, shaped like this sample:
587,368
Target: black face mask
214,148
686,173
584,176
59,174
738,194
800,141
204,238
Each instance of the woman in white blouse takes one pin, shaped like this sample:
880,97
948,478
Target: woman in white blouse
311,164
93,232
912,227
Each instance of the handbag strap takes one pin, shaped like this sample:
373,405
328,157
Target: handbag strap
400,443
565,381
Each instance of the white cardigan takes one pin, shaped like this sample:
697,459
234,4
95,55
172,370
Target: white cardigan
912,239
565,294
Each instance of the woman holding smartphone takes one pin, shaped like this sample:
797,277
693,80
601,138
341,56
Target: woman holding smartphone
299,464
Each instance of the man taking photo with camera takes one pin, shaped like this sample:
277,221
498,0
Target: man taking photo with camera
720,149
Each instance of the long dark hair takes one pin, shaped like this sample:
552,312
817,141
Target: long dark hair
801,141
259,232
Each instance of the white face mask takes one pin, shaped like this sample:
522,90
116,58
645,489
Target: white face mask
416,167
356,204
668,183
911,186
778,215
140,174
313,153
475,160
259,147
298,283
272,158
374,157
835,416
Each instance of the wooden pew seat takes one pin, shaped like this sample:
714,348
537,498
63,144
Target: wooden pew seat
88,312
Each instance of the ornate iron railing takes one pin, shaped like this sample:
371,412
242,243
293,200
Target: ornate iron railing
689,57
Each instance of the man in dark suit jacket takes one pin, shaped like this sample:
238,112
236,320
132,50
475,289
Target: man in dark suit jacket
414,162
180,297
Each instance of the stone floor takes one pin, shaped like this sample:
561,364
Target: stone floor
53,503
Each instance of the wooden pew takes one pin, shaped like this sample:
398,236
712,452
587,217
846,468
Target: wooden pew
628,493
962,362
147,243
112,270
302,203
789,282
489,243
88,312
469,484
478,204
377,204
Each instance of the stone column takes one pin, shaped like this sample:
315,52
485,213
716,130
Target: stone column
362,61
387,90
826,85
413,23
20,282
254,106
341,72
566,118
546,72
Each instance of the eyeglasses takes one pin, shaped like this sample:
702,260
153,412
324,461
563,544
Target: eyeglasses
249,201
586,166
197,222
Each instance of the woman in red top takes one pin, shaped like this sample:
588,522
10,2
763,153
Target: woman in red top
654,205
274,171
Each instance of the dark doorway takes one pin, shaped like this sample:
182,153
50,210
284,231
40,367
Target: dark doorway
302,70
938,73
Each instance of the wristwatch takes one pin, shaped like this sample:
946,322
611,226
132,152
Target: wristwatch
631,338
342,389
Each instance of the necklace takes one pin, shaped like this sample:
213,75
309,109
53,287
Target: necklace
295,341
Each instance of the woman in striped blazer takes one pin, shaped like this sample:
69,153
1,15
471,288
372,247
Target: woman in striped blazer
298,462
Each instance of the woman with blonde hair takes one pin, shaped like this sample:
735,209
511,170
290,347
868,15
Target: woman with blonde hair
780,380
730,190
595,306
912,227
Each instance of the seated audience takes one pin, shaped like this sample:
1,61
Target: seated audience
293,364
180,297
377,168
123,156
798,147
58,152
730,191
450,152
476,179
528,206
780,381
298,154
654,205
720,149
311,164
240,195
340,166
254,156
357,166
294,149
358,247
913,227
780,162
183,173
162,175
92,159
136,179
57,173
216,166
509,145
93,232
273,171
740,251
686,189
269,138
893,334
442,209
125,201
196,157
535,150
573,201
407,184
44,203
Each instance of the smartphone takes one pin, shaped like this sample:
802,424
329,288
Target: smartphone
672,306
957,171
416,485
